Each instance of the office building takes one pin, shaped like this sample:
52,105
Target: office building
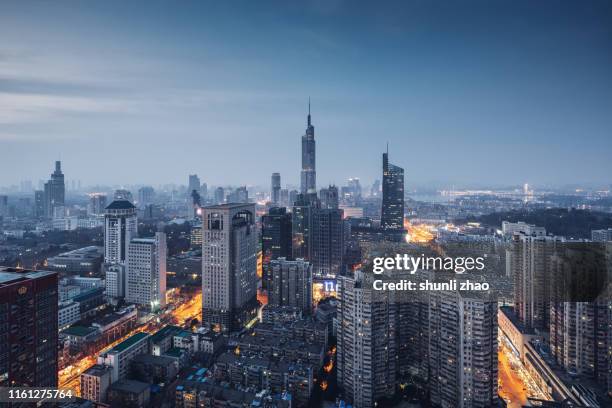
97,204
120,226
309,174
327,242
275,239
301,226
146,272
55,191
392,214
39,204
85,260
28,341
275,189
229,266
146,196
219,195
193,184
290,284
329,197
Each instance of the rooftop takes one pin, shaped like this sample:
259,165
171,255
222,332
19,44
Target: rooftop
130,386
9,276
120,205
79,331
228,206
124,345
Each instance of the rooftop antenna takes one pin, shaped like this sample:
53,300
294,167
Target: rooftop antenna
309,111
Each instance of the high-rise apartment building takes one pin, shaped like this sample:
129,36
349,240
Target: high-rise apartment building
291,284
275,188
55,191
229,266
275,239
146,271
301,224
602,235
29,316
530,266
366,348
392,215
309,174
462,350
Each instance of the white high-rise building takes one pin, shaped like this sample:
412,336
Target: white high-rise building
146,271
229,266
120,226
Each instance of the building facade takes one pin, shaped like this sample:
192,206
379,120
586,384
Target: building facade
146,272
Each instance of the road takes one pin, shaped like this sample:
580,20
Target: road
69,377
511,387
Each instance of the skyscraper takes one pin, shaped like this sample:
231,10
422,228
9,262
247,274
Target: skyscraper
327,241
124,194
309,173
275,239
146,196
39,204
97,204
194,184
301,225
55,191
146,271
291,284
219,195
29,315
392,215
275,188
120,226
329,197
229,266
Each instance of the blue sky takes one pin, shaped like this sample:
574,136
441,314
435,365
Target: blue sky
466,93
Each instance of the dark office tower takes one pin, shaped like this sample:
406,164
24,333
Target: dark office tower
275,189
327,242
194,184
392,216
275,239
301,225
28,340
39,203
229,266
291,284
329,197
309,173
146,196
462,350
55,191
366,348
219,195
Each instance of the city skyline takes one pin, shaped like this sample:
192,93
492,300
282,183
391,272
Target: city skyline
173,82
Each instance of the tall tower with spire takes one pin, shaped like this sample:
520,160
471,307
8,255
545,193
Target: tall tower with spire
309,173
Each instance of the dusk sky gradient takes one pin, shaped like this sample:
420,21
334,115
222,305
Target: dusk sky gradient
466,93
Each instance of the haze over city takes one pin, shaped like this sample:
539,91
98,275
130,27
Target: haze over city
465,94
